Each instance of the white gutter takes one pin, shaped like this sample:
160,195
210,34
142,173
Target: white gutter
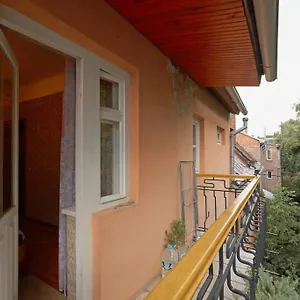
266,15
233,93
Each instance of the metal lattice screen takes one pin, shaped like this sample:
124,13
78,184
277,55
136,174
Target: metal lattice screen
189,200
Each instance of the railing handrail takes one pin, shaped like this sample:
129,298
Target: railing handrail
183,281
229,176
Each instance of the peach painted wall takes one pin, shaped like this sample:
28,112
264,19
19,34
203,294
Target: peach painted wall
128,241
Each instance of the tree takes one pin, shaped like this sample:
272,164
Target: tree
283,215
275,288
289,139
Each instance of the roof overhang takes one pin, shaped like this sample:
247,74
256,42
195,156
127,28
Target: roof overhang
230,97
216,42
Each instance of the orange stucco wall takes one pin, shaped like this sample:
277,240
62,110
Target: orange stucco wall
128,241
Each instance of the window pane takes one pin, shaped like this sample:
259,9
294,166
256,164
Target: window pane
109,94
109,159
219,138
194,135
195,157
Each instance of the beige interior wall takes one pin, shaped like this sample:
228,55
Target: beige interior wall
41,110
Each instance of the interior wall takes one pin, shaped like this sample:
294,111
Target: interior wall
43,121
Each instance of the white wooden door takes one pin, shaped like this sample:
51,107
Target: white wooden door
8,172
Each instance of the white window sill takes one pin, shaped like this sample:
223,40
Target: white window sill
124,202
69,211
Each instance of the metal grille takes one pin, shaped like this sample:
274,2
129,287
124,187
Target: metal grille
189,199
243,249
215,194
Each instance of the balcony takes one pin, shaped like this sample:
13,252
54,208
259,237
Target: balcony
225,220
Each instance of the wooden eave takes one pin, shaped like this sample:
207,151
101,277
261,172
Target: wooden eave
209,39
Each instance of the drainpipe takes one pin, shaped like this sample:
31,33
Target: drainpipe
232,142
262,167
266,16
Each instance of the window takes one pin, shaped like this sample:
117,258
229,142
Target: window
113,137
269,154
196,144
220,136
269,174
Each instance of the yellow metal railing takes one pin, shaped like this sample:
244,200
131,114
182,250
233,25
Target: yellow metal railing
183,281
225,176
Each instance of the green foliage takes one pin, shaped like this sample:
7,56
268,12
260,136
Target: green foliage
284,221
176,236
275,288
289,139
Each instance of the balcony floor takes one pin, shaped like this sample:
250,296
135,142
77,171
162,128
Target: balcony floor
30,287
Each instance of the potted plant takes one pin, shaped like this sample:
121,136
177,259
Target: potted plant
176,237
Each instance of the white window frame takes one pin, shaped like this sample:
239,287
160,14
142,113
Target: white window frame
267,154
219,134
111,116
196,125
269,172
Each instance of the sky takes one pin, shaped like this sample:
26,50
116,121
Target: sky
272,102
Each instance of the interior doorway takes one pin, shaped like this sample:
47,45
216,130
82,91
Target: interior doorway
42,75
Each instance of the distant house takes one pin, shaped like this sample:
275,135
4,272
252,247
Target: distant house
270,159
244,163
272,165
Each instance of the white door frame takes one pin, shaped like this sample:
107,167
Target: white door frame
9,220
87,194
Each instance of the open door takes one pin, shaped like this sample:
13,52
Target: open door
9,79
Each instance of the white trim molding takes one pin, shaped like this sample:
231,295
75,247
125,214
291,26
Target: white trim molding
269,175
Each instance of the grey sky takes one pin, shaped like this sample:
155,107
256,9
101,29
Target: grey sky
271,103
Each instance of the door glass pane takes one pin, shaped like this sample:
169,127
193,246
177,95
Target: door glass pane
109,94
194,135
5,133
110,154
195,157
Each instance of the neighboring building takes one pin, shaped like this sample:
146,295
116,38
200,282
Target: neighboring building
250,144
272,166
244,163
270,159
134,116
